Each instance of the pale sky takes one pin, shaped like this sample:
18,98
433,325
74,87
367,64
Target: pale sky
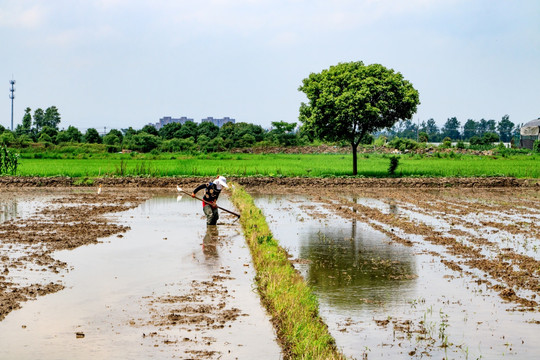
120,63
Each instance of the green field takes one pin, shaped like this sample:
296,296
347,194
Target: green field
310,165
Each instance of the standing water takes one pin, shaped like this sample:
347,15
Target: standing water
382,299
167,288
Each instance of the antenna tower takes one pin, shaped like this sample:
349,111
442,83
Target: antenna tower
12,96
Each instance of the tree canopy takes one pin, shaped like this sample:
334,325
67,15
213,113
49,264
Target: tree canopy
451,128
350,100
92,136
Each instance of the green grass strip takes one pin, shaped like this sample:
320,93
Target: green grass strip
277,165
289,300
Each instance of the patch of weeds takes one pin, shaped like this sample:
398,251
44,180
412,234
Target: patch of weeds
264,239
83,181
121,168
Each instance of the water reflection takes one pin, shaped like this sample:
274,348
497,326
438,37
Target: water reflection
8,210
357,267
210,242
393,208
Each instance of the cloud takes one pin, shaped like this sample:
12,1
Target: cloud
17,16
80,35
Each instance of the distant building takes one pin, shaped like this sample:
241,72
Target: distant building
530,132
219,122
167,120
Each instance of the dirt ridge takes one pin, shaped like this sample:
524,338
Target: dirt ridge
154,182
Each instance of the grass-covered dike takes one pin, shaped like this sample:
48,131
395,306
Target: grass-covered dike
289,300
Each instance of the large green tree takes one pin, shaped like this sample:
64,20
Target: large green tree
51,117
469,129
26,127
432,129
451,128
282,133
39,116
150,129
167,131
92,136
208,129
505,127
27,120
350,100
188,129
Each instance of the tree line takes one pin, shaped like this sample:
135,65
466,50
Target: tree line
476,132
43,127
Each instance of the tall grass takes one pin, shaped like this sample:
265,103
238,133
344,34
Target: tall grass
310,165
291,303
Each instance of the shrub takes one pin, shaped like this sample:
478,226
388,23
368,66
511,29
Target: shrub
447,143
475,140
8,161
44,138
490,138
394,162
536,146
380,141
142,142
24,140
403,144
177,145
246,140
113,148
7,138
214,145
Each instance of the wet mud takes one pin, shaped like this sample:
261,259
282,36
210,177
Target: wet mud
482,247
66,222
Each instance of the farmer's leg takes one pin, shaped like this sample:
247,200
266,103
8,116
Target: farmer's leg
214,218
216,215
208,211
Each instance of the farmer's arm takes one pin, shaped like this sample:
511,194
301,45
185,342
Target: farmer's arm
214,203
197,189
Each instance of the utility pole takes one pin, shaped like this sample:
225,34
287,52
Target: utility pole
12,96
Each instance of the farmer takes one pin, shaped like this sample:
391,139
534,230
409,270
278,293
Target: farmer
213,189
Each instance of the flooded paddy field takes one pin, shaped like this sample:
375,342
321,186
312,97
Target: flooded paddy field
399,273
150,281
409,273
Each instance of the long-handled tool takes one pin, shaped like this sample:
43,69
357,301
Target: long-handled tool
219,207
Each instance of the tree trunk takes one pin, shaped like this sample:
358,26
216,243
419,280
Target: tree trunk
354,159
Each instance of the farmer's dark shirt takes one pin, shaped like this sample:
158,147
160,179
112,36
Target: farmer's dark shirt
211,194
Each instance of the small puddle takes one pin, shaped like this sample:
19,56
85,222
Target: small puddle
126,296
383,299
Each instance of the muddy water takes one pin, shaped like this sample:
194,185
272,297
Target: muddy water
137,295
382,299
